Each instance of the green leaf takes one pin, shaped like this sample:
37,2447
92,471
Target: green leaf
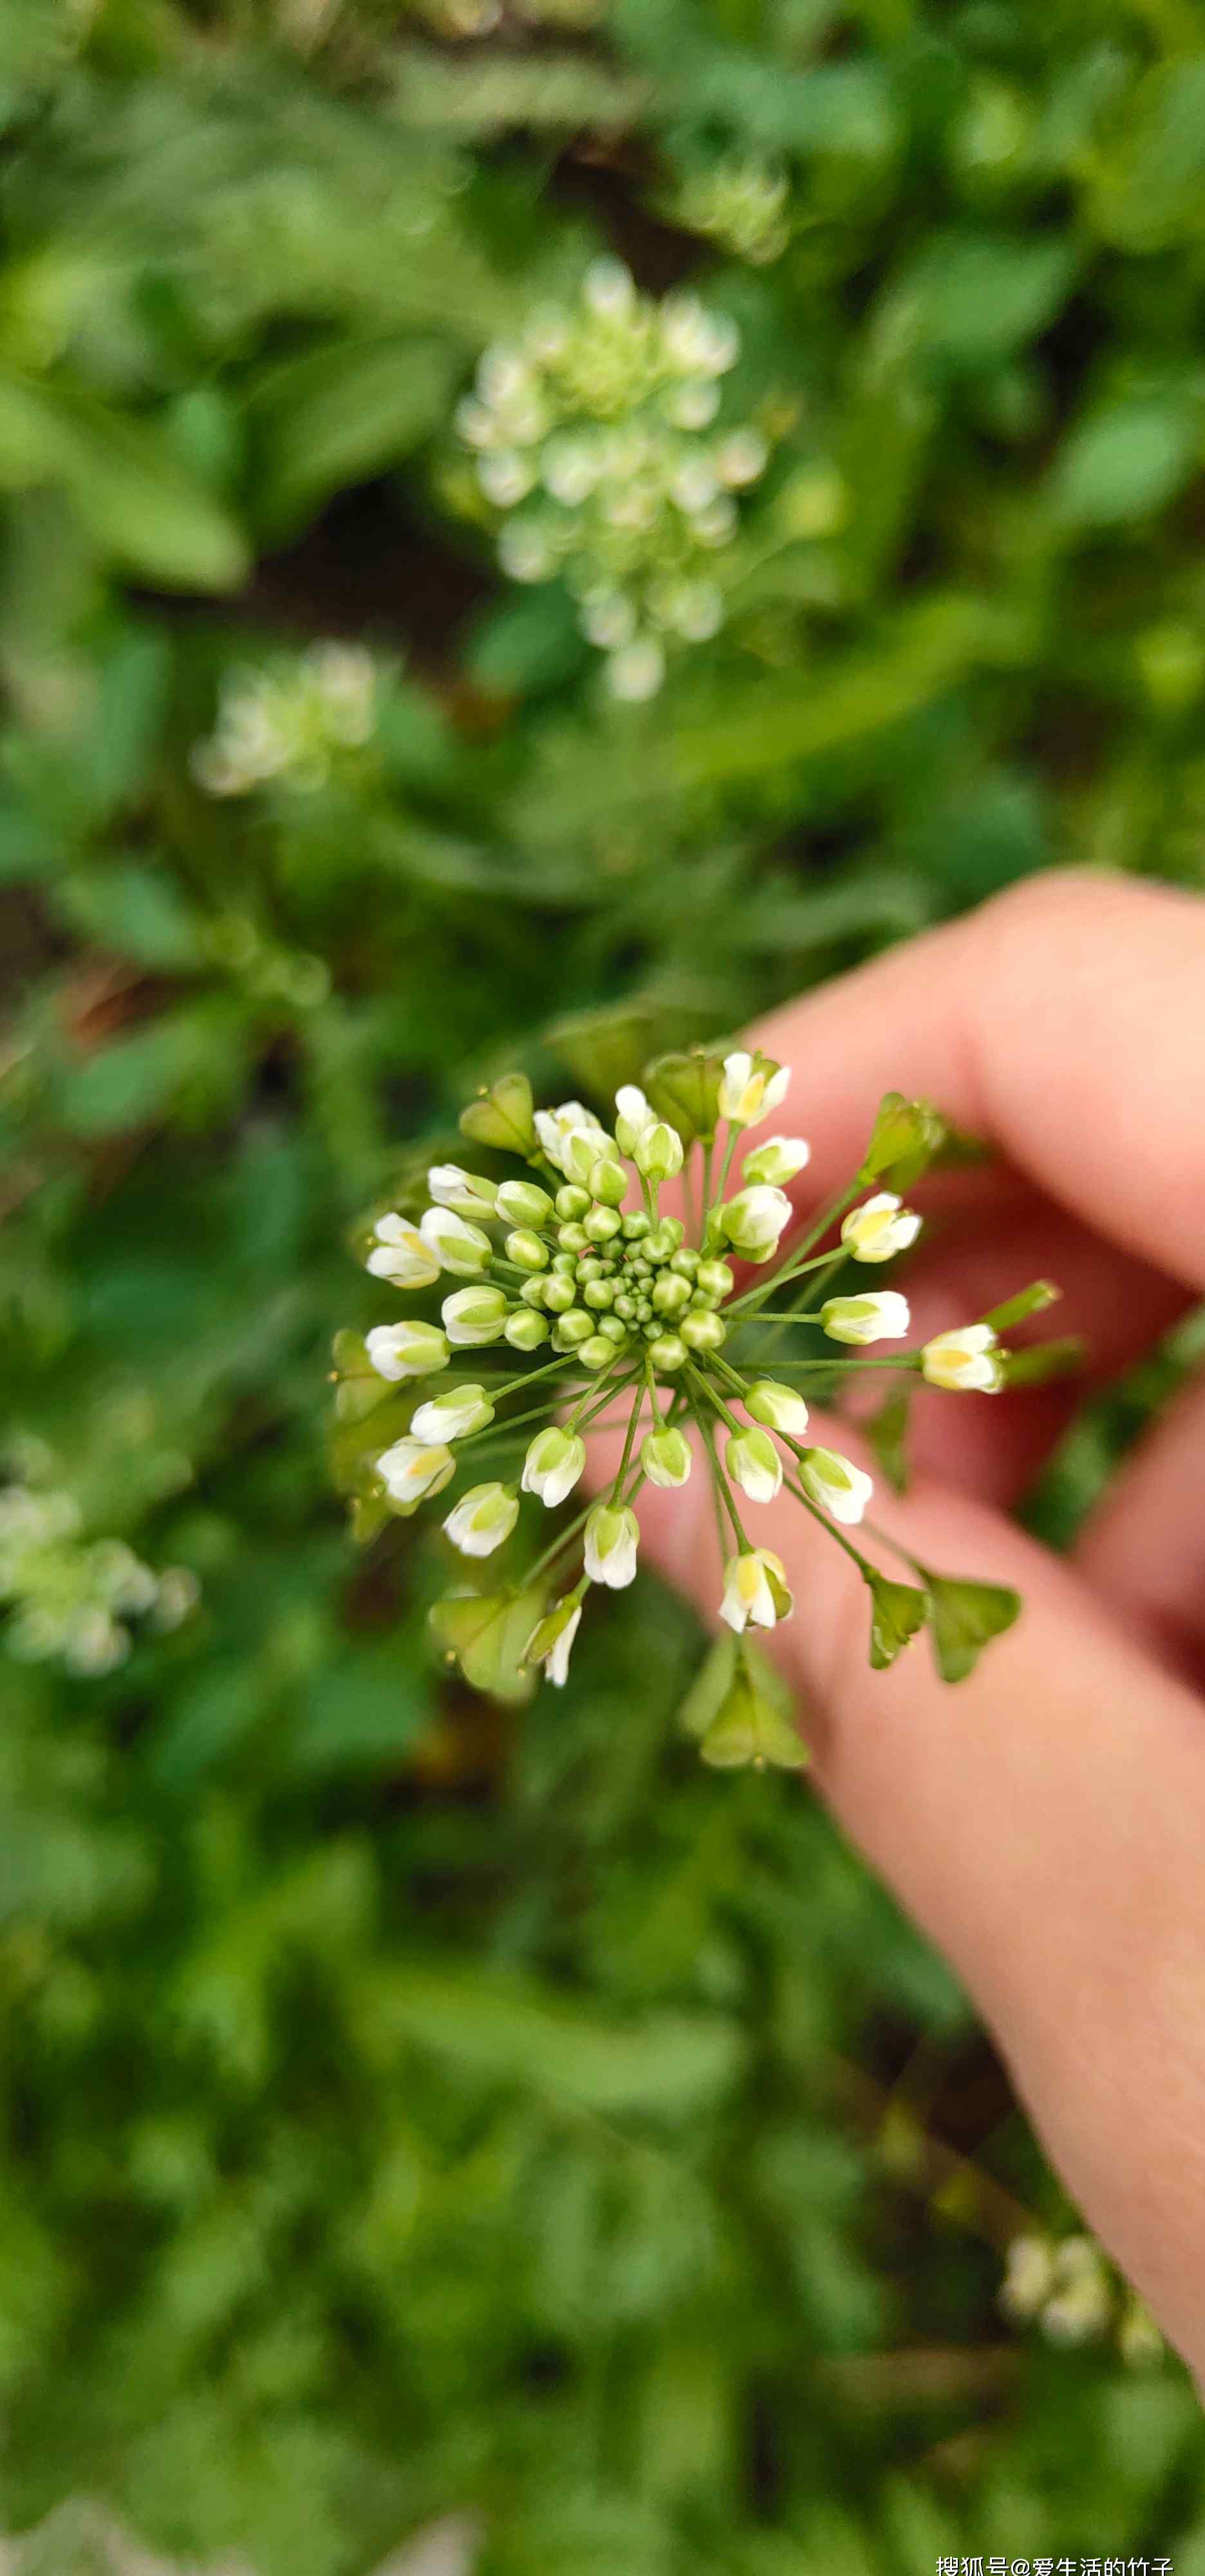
135,498
897,1611
337,416
1121,464
1150,185
973,299
528,645
965,1616
508,2030
134,911
137,1079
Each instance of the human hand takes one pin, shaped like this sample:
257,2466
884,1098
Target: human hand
1045,1821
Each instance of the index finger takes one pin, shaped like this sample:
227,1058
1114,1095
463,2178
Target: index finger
1064,1022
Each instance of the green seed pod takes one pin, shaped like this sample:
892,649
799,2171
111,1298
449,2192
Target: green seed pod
703,1332
525,1330
608,1182
574,1328
667,1352
672,1294
572,1202
558,1294
526,1250
600,1226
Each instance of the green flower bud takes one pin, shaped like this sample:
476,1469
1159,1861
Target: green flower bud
532,1291
612,1329
582,1149
565,1264
672,1294
596,1352
572,1237
636,1224
625,1307
558,1294
473,1315
573,1329
667,1352
526,1250
666,1457
484,1520
525,1330
523,1203
599,1294
658,1152
716,1280
572,1203
608,1182
666,1237
601,1225
591,1266
703,1332
907,1135
686,1261
777,1406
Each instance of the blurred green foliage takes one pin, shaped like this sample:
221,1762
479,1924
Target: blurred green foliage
414,2107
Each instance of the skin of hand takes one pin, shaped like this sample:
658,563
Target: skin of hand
1044,1821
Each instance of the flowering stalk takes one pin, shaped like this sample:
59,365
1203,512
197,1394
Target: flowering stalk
579,1262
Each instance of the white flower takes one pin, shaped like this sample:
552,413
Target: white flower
1029,2276
612,1538
483,1520
407,1350
468,1192
633,1115
875,1318
753,1221
754,1462
524,1203
779,1406
399,1253
666,1457
457,1246
779,1159
880,1227
412,1469
965,1360
554,1462
749,1092
452,1415
582,1148
755,1589
474,1315
833,1482
551,1640
554,1127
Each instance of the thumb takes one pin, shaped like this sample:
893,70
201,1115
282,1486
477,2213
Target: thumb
1043,1822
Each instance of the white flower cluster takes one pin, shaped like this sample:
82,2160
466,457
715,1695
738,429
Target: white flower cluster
289,724
1068,2287
72,1598
596,444
460,20
630,1304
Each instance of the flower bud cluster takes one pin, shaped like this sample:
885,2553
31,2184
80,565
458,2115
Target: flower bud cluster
291,723
597,447
637,1312
73,1598
1068,2287
740,205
